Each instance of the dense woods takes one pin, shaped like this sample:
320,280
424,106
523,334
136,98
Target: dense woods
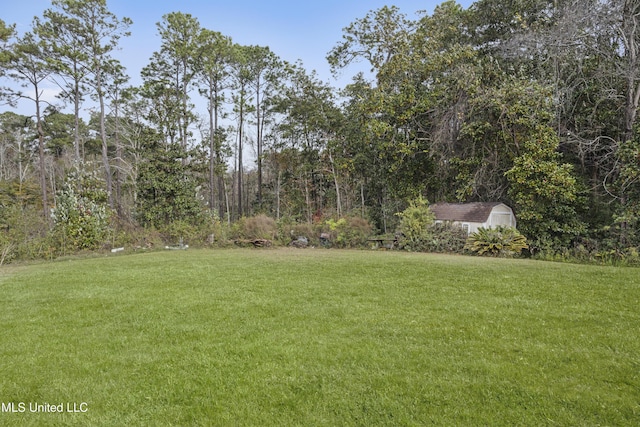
529,102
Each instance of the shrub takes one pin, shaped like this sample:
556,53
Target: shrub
80,216
139,238
500,241
257,227
179,232
415,222
447,238
290,231
349,232
219,233
23,231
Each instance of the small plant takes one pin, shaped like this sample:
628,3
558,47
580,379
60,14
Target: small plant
500,241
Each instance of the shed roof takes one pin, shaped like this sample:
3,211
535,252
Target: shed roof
468,212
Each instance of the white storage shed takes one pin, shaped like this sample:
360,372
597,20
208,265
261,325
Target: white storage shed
472,216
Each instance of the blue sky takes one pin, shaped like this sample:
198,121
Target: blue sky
293,29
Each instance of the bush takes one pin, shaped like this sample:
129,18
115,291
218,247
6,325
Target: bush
290,231
139,238
179,232
415,222
218,233
446,238
500,241
349,232
257,227
23,232
80,216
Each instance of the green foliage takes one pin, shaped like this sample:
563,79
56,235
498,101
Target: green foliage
419,232
206,231
167,190
465,104
545,195
543,190
626,257
372,38
14,193
6,31
627,220
500,241
59,129
80,216
348,232
445,238
23,229
414,224
289,229
626,226
219,233
179,232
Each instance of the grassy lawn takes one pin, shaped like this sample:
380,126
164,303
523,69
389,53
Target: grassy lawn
319,337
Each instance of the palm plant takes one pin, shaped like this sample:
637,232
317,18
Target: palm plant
500,241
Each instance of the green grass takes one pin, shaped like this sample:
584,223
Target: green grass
320,337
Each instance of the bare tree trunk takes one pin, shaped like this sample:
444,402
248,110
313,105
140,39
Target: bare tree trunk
222,197
629,34
335,181
218,157
105,151
119,156
43,178
278,194
212,151
103,137
2,163
307,199
226,194
259,125
185,105
362,198
76,114
240,165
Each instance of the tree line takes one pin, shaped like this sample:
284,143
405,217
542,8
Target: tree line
532,103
